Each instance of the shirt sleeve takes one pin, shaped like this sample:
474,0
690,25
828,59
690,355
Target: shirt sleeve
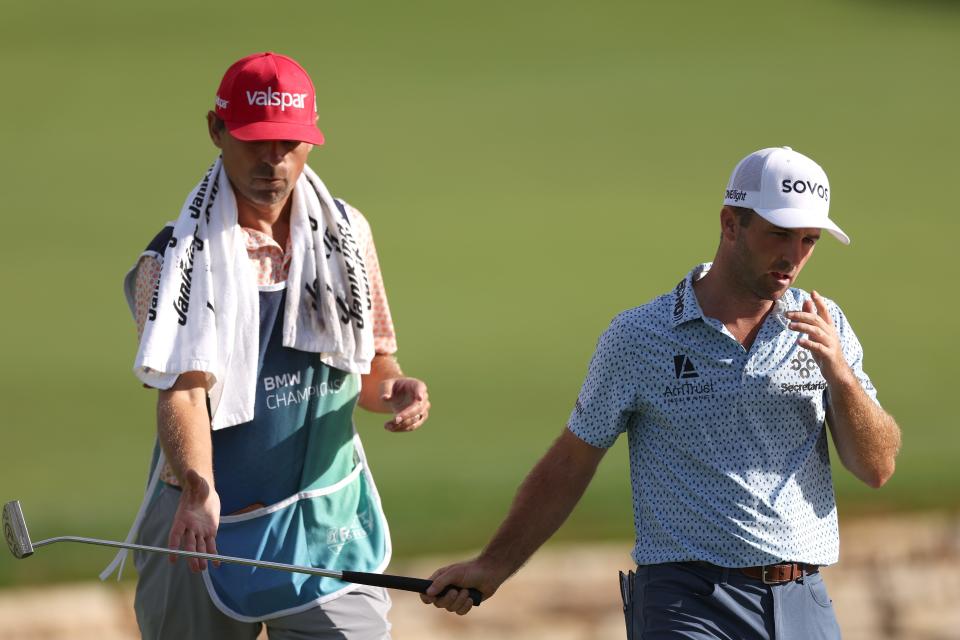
145,284
384,336
148,272
607,399
852,349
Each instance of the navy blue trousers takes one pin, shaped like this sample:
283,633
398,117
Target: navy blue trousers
688,601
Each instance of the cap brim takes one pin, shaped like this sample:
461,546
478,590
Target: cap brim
256,131
800,218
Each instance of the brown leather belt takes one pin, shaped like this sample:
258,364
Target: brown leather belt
779,573
773,574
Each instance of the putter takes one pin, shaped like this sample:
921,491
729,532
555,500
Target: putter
18,540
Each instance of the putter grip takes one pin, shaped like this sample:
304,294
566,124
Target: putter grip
404,583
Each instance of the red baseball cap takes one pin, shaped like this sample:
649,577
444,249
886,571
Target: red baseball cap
267,96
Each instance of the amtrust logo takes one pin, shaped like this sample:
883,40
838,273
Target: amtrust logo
684,370
683,367
271,98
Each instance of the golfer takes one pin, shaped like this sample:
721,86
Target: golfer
725,387
263,322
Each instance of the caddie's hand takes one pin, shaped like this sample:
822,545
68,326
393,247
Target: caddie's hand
465,575
196,522
822,339
409,400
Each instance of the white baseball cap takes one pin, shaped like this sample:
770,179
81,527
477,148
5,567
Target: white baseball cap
785,188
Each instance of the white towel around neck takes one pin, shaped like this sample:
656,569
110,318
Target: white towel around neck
204,315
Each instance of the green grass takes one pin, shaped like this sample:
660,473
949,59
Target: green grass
529,172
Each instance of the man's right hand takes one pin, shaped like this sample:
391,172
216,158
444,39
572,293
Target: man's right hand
196,521
545,499
466,575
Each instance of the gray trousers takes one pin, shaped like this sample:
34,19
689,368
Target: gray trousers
172,602
688,601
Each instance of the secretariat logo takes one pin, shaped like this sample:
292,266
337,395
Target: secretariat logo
684,369
803,364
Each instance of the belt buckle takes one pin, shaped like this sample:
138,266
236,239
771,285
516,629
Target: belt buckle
763,575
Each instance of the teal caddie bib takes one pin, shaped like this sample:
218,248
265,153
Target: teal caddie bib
300,458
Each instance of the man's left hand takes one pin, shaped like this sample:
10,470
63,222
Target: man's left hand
822,339
409,400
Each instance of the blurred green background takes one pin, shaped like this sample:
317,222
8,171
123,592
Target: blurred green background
529,168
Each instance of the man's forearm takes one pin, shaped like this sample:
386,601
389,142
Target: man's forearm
544,501
183,429
867,437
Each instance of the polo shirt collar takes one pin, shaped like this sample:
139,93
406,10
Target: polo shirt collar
685,306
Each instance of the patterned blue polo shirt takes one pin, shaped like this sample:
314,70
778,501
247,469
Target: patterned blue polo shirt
728,447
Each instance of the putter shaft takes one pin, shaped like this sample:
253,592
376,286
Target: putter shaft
18,540
417,585
326,573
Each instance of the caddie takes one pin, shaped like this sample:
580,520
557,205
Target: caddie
726,387
263,321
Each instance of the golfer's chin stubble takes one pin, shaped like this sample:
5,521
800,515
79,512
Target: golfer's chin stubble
770,293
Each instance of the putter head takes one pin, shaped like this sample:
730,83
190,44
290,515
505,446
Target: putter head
15,530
